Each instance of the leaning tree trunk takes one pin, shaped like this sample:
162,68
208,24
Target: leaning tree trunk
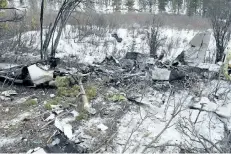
61,19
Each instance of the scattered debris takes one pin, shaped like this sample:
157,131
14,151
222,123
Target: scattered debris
161,74
67,130
74,113
9,93
64,126
52,95
51,117
7,110
56,141
61,144
40,75
3,98
118,39
71,88
102,127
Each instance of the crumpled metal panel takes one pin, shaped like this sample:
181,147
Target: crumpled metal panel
39,75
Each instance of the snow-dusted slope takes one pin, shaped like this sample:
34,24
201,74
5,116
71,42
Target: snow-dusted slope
95,48
140,127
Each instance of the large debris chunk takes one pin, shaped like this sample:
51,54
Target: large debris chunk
118,39
36,151
60,144
35,73
136,56
161,74
39,75
196,52
9,93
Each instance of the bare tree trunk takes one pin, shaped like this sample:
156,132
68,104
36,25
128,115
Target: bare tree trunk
61,19
41,28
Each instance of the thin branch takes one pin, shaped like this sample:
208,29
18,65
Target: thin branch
214,145
133,131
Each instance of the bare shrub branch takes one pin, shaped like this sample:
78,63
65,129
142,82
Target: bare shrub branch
154,36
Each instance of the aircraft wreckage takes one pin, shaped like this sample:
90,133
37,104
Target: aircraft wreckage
192,59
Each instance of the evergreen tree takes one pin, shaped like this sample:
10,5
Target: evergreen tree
21,2
162,4
130,4
192,7
116,5
150,4
174,5
179,5
89,6
205,4
142,4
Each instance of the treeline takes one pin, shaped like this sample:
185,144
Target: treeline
188,7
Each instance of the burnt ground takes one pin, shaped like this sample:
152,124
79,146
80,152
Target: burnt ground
20,122
22,125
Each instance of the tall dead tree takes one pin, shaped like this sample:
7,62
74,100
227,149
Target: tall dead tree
41,26
220,15
65,11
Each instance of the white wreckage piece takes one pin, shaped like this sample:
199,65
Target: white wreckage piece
36,151
35,74
198,48
39,74
160,74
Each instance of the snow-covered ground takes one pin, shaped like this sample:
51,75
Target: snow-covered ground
142,124
139,127
94,48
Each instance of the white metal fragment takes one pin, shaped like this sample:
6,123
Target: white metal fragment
36,151
39,75
51,117
102,127
9,93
